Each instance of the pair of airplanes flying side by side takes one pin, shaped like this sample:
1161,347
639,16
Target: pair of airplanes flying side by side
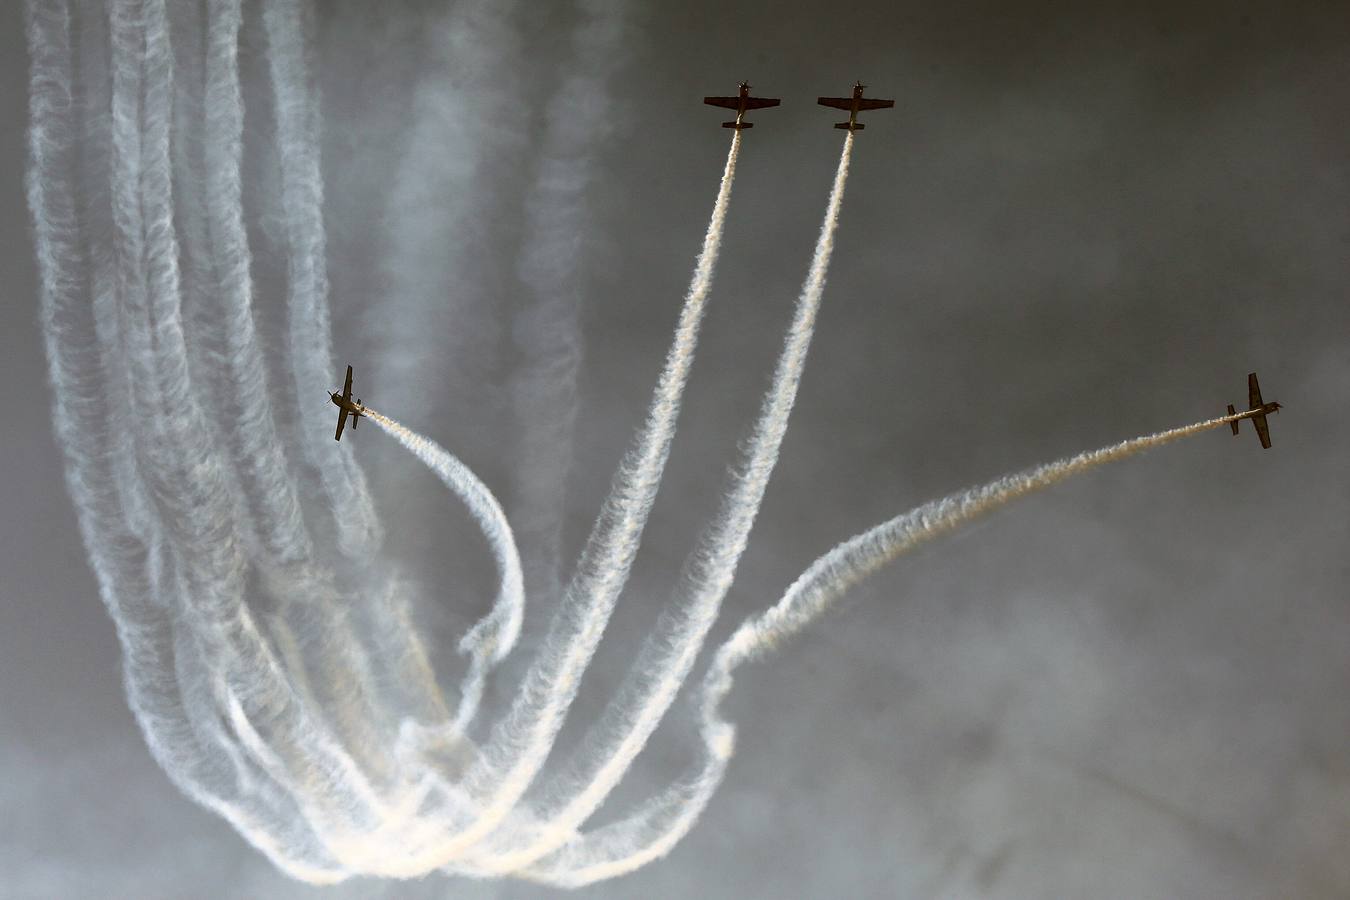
743,103
1256,411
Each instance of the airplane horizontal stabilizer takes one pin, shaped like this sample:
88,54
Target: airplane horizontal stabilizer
857,127
1233,424
741,125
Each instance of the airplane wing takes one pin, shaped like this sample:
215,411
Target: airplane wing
728,102
1253,392
838,102
347,387
864,103
342,420
1262,430
760,102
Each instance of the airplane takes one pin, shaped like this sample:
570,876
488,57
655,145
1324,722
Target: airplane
855,104
344,403
742,103
1257,413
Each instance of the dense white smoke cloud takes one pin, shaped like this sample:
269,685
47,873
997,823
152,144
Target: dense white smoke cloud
270,656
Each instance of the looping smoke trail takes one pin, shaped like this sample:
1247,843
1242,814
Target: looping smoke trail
489,641
658,824
668,654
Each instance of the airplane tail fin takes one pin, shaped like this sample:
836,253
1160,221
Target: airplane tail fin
735,125
1233,424
857,126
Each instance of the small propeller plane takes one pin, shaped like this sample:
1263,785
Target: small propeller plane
742,103
855,104
344,403
1257,412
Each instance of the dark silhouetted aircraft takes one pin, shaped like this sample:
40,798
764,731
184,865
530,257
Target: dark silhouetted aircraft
855,104
742,103
344,403
1257,412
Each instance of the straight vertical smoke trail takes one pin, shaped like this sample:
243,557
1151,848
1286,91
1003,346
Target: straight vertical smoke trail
271,494
668,654
95,215
547,334
653,829
466,118
297,118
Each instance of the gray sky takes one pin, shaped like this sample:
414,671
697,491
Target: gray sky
1073,228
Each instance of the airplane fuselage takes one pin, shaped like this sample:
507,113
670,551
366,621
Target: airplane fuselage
355,409
1262,410
1256,410
742,109
853,113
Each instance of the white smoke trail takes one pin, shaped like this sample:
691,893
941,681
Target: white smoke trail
297,118
467,117
94,164
186,140
121,561
657,825
488,642
130,572
521,740
313,626
244,401
580,117
669,651
216,709
188,481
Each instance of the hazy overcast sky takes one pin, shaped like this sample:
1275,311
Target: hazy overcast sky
1073,228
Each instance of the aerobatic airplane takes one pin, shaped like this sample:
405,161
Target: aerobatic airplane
344,403
742,103
855,104
1257,412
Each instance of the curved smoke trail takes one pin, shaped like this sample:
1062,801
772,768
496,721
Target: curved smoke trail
668,654
657,825
488,642
522,738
